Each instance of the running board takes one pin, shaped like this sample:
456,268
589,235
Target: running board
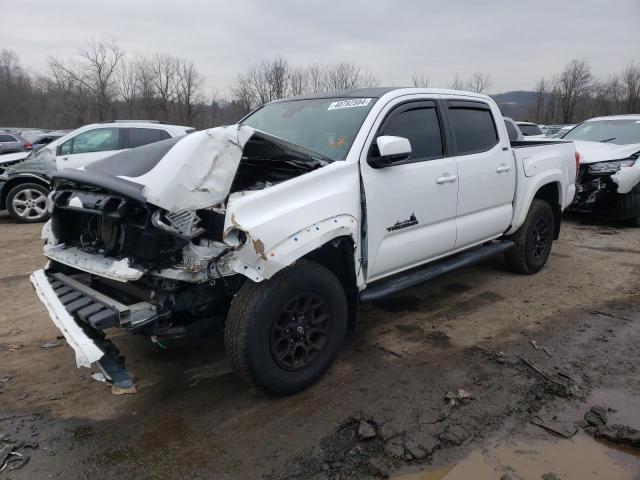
389,286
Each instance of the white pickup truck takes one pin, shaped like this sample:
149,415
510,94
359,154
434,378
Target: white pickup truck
278,227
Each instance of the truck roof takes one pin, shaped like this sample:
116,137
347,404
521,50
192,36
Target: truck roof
377,92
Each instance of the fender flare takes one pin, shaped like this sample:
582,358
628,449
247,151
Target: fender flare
522,208
258,263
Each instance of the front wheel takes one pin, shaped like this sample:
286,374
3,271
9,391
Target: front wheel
282,334
533,240
27,203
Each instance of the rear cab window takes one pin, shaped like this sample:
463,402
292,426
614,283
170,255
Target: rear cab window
473,126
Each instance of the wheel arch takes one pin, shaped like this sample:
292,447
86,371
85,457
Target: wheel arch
14,181
548,188
338,256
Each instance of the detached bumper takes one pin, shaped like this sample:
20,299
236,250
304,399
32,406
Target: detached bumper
87,352
80,316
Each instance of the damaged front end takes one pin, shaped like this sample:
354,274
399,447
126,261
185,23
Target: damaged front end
150,247
609,189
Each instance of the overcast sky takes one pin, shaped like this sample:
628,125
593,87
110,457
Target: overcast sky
515,42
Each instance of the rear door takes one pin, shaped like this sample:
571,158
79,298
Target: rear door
486,170
89,146
410,206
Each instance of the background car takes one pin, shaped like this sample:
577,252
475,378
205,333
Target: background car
564,129
41,139
531,130
24,186
11,142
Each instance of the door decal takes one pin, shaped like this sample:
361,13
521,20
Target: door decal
412,220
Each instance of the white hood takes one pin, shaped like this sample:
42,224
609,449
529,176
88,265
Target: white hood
198,171
591,152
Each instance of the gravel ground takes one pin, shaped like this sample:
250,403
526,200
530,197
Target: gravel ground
544,349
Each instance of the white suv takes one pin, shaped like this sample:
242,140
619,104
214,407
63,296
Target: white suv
25,186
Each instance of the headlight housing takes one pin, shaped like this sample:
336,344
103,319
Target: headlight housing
611,166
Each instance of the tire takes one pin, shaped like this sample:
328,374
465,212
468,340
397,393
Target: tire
533,240
27,203
268,329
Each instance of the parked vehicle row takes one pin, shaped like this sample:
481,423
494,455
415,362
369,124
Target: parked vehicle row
24,186
278,227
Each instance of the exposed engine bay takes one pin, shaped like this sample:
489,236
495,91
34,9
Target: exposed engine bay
607,190
105,235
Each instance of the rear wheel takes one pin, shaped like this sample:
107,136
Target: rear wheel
27,203
282,334
533,240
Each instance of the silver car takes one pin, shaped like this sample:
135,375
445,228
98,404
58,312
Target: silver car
11,142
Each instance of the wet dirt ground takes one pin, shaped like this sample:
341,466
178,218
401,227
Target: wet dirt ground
535,353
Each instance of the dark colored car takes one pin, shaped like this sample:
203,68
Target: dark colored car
11,142
43,139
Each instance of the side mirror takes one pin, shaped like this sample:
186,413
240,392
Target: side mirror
392,150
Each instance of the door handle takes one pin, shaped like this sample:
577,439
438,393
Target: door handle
446,178
503,168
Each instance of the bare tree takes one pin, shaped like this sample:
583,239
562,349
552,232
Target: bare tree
573,85
95,71
189,83
347,76
541,94
457,83
127,84
164,78
631,82
298,80
420,80
479,83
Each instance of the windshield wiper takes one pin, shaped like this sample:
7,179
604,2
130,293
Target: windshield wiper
607,140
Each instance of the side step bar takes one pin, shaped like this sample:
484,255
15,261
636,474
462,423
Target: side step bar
389,286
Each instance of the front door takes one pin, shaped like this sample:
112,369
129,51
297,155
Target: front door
411,206
89,146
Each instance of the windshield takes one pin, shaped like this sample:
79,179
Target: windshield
325,125
620,132
528,130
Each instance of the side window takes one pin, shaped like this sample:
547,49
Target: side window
421,126
144,136
511,130
98,140
7,138
473,129
66,147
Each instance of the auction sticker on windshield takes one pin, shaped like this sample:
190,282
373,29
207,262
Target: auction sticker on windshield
354,102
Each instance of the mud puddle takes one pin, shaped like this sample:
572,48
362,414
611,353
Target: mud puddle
580,458
532,454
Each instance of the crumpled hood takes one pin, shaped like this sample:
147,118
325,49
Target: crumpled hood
197,171
591,152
